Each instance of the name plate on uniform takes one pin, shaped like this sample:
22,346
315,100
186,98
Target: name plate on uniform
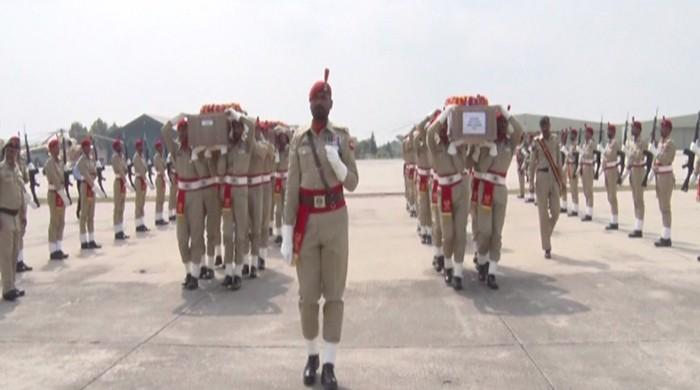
208,129
473,124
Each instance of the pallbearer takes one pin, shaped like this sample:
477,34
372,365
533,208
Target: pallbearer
636,170
665,180
119,166
586,162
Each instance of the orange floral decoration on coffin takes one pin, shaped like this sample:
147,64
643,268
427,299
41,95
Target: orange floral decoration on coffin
212,108
467,100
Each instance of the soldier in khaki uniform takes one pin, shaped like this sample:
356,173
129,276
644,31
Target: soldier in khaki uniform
520,158
21,266
636,170
436,215
206,165
491,196
159,164
450,160
280,177
140,170
11,202
87,168
256,180
119,166
546,164
190,203
315,231
57,199
564,155
409,157
572,161
267,190
665,180
172,182
586,161
611,172
420,146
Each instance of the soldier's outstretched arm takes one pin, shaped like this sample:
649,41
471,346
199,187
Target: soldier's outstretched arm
518,131
167,134
347,155
291,201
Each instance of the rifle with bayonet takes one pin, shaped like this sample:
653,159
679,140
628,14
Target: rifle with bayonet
99,167
129,167
621,154
564,140
66,170
597,152
31,171
577,154
149,162
690,153
649,155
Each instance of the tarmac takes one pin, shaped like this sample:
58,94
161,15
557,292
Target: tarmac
606,312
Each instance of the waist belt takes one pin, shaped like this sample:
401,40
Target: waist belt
235,180
255,180
642,165
493,177
195,184
423,172
319,200
586,162
9,212
450,179
663,169
280,175
266,177
611,165
52,187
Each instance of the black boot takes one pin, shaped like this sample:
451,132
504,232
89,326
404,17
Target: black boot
228,281
573,214
94,245
22,267
429,239
612,226
246,270
438,263
120,236
483,270
192,283
142,229
562,210
448,276
206,273
261,263
219,262
84,246
172,218
278,240
12,295
237,283
587,218
328,380
457,283
63,255
491,282
56,255
548,254
253,272
312,364
663,243
635,234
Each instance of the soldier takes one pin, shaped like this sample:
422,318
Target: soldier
267,189
322,163
119,189
586,162
410,174
636,170
207,168
87,168
140,170
572,162
21,266
190,203
11,202
491,195
449,163
564,157
520,158
281,166
530,196
420,146
159,164
665,180
611,172
545,162
172,182
57,199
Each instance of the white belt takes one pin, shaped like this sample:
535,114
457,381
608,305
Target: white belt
491,177
255,180
663,169
266,178
52,187
449,180
610,164
119,177
280,175
586,162
235,180
410,166
196,185
423,172
435,176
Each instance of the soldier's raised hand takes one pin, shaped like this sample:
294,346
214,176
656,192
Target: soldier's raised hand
341,171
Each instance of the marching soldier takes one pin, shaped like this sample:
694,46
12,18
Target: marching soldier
11,202
87,168
57,199
21,266
267,190
564,157
409,157
546,164
159,164
140,170
172,182
586,162
281,166
636,170
420,146
322,164
665,180
520,158
119,166
491,196
208,168
530,196
611,172
572,162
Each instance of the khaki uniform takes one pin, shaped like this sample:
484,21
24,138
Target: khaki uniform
572,176
159,165
23,212
611,172
322,262
255,199
141,184
207,168
454,208
172,197
11,202
637,171
119,166
546,187
435,213
88,172
267,189
520,160
587,161
280,186
564,156
409,158
420,146
665,181
57,209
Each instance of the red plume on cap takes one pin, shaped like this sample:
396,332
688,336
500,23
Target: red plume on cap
116,144
611,127
139,142
589,129
86,142
53,143
182,123
321,86
666,123
158,143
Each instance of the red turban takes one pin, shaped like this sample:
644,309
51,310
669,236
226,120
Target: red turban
53,143
86,142
321,86
666,123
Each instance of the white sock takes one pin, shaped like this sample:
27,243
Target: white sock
229,270
263,253
329,350
638,224
666,233
91,236
20,255
589,211
493,267
238,271
84,238
194,269
575,208
448,263
60,245
613,218
458,270
52,247
210,261
563,204
116,229
482,259
312,347
429,230
276,231
188,267
172,212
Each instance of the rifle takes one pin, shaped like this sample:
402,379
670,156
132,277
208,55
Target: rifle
169,167
621,153
66,171
690,162
564,136
129,167
576,153
149,162
596,152
100,168
32,171
649,155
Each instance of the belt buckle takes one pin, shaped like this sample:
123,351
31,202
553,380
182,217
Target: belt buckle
320,201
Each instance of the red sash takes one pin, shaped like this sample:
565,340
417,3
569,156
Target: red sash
228,199
423,183
279,184
89,192
122,185
434,195
59,201
486,196
446,199
143,183
303,213
412,173
180,201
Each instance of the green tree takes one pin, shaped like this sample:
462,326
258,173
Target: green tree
77,131
372,145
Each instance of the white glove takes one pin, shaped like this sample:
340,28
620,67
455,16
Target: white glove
600,148
64,197
151,186
694,147
277,157
30,166
341,171
653,150
286,248
445,113
694,178
504,112
233,114
493,150
223,149
452,149
196,150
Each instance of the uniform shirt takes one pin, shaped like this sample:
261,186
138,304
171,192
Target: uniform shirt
87,169
504,156
54,173
159,164
183,164
269,159
588,152
666,153
119,165
237,161
420,145
409,155
11,187
635,151
573,148
445,164
537,157
140,167
303,172
283,164
610,153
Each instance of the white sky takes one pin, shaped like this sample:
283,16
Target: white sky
391,61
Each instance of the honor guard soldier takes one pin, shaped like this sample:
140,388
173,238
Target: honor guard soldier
572,161
280,177
420,146
206,165
545,169
586,163
636,171
11,203
267,190
57,199
87,168
172,182
520,158
21,266
436,216
315,231
119,166
159,164
410,174
140,170
611,172
665,180
563,137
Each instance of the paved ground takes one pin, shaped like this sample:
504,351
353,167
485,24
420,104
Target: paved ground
605,313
